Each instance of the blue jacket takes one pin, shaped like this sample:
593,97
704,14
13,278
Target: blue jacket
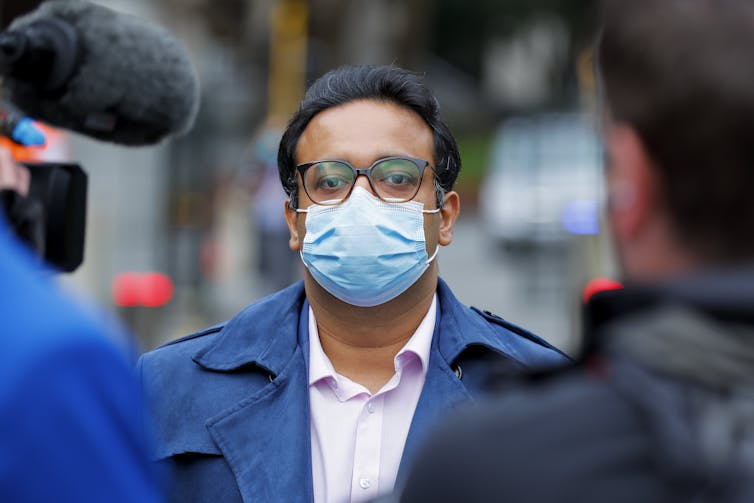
232,402
70,425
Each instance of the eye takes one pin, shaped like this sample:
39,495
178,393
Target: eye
397,173
328,177
398,179
331,182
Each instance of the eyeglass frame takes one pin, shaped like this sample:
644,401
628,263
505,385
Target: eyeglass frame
421,164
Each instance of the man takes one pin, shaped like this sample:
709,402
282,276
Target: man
660,407
322,391
70,428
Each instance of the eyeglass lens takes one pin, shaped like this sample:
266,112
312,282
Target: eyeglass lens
394,180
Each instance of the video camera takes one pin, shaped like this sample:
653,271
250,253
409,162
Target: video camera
86,68
51,219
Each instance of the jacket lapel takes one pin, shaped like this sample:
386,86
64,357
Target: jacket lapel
455,331
442,391
266,439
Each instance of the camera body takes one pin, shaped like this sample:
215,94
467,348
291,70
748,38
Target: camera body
61,189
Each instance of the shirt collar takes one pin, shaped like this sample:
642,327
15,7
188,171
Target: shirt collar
418,345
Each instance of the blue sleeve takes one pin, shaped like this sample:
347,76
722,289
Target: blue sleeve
71,428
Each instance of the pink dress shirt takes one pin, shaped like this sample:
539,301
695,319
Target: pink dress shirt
357,437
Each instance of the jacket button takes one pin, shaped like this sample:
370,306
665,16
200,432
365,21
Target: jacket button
458,371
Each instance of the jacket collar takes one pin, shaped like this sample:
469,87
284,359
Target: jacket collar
247,339
699,327
462,327
725,294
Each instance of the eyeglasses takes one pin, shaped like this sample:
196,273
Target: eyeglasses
393,179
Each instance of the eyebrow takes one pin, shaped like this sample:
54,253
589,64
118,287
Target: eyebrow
373,160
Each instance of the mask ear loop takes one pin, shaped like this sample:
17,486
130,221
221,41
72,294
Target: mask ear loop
301,250
437,248
430,259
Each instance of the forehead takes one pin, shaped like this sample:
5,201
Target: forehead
363,131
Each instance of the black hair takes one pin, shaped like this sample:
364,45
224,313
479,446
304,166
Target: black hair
681,73
366,82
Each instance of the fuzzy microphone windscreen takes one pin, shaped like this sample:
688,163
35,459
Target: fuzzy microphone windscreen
133,83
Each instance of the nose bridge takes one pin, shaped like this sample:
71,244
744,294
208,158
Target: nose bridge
363,181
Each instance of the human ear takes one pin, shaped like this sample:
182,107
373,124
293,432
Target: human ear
631,182
291,218
448,215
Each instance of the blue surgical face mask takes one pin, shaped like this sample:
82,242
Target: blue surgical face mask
365,251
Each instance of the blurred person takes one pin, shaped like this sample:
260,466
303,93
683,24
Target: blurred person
322,391
660,406
277,265
70,425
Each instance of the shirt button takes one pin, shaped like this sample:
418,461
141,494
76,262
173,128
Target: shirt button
370,407
365,483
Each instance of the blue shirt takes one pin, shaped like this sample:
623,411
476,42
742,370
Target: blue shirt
69,402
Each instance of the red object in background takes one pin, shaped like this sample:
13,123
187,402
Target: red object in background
125,289
598,285
157,289
142,289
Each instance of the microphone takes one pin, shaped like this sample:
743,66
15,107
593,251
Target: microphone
83,67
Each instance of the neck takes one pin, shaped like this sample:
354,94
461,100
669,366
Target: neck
361,342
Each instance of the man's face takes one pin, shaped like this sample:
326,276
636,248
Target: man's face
361,132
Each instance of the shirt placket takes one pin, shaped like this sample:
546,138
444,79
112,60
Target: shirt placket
367,451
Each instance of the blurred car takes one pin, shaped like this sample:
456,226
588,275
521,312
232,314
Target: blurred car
544,180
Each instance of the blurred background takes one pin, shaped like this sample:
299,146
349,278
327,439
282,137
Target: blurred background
515,83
